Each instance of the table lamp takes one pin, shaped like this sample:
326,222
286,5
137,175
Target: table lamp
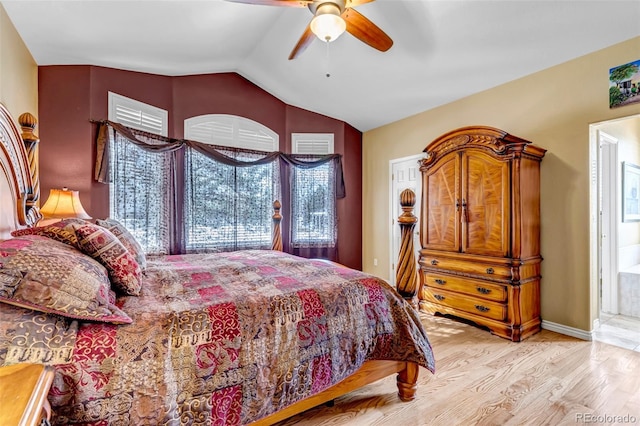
62,204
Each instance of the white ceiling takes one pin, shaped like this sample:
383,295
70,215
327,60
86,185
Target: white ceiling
443,50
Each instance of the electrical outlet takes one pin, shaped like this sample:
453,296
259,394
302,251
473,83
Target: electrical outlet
375,262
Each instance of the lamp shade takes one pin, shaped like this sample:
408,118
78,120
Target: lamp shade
63,204
328,25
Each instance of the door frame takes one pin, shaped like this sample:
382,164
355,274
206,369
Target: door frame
396,203
595,299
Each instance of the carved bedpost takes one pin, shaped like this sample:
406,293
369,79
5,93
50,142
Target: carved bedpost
406,275
276,236
28,123
32,199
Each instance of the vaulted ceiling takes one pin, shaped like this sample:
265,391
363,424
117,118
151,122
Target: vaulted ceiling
443,49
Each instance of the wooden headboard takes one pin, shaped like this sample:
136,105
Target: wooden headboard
18,193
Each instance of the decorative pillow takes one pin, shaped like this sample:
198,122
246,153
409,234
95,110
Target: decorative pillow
106,248
127,240
60,231
49,276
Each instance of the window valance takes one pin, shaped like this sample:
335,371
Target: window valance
156,143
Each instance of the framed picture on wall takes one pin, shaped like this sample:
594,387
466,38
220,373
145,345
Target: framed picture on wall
624,84
630,192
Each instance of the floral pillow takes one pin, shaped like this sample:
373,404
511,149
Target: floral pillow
106,248
60,231
49,276
127,240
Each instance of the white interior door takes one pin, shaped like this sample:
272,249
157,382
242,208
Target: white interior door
608,229
405,173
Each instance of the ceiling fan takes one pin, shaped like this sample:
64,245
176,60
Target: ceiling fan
330,19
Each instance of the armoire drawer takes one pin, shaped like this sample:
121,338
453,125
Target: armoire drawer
482,270
477,288
485,308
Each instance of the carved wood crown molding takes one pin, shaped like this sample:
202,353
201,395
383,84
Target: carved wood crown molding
480,137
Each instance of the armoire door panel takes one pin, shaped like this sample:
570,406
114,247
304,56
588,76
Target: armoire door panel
442,229
486,204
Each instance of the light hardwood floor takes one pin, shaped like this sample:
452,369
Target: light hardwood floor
548,379
619,330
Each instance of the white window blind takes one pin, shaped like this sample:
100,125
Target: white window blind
312,143
231,130
138,115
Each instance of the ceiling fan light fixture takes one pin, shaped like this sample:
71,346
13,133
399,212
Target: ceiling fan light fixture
327,24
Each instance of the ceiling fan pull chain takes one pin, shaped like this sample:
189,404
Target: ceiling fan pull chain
328,74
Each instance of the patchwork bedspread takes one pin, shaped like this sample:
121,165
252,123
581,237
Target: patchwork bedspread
222,339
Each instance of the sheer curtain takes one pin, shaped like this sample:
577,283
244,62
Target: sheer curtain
181,196
142,200
314,224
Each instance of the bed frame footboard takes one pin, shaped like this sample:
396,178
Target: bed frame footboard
371,371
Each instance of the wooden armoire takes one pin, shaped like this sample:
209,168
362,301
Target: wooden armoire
480,230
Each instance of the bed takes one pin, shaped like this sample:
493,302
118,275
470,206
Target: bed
246,337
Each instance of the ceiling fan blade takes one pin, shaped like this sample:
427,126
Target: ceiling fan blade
366,31
303,43
290,3
353,3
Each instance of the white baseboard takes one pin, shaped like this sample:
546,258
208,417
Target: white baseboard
569,331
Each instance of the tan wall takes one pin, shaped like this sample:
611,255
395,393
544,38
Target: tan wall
18,71
552,108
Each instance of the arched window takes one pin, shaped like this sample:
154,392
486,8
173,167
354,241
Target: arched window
228,207
232,131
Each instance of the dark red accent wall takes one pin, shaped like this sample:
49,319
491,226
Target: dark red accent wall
226,93
350,213
70,96
66,157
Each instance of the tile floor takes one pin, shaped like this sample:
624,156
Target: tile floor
619,330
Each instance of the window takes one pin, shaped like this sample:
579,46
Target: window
229,207
138,115
312,143
139,194
313,207
139,185
197,195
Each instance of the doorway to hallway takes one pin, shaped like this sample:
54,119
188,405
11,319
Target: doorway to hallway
615,244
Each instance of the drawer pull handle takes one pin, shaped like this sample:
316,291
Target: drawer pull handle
483,290
482,308
434,262
490,271
439,297
441,282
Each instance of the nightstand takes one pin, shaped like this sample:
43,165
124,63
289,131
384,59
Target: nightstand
23,394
